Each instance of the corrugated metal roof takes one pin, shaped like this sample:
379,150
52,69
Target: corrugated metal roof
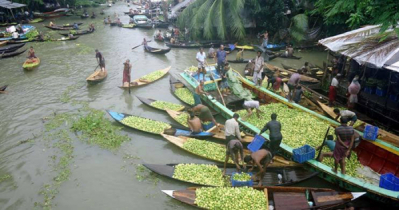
10,5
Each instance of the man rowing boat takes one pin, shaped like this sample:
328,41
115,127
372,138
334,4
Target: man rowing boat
101,60
31,53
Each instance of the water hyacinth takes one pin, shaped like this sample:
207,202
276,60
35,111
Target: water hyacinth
182,118
300,128
230,198
199,174
185,95
207,149
153,76
144,124
167,105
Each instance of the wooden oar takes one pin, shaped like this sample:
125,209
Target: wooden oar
217,87
139,45
96,67
324,141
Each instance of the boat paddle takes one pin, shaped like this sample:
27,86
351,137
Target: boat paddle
139,45
217,87
129,80
324,141
96,67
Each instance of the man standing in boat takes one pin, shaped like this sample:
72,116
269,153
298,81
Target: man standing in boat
199,90
275,135
259,63
235,150
126,73
261,159
293,84
220,58
345,139
101,60
201,56
332,93
232,130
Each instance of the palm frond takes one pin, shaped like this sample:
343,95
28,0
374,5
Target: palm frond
220,20
299,27
197,22
208,24
236,23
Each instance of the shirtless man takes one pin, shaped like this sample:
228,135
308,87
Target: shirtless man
194,123
261,159
205,114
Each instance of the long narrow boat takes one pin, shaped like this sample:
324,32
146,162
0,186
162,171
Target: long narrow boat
382,134
53,14
181,140
289,57
176,84
284,198
58,28
290,175
387,163
218,132
67,39
12,54
304,78
187,45
157,50
70,25
149,102
142,81
96,77
30,65
11,48
169,129
78,33
3,89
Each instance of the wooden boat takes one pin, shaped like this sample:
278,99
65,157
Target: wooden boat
141,82
53,14
3,43
187,45
378,155
11,48
11,54
382,134
97,77
284,198
179,141
218,132
289,57
160,24
84,16
3,89
145,26
290,175
304,78
29,65
128,26
36,20
142,21
78,33
159,39
272,47
157,50
58,28
174,84
148,101
66,39
70,25
239,61
172,130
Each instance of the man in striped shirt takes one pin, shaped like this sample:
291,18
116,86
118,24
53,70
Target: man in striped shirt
345,139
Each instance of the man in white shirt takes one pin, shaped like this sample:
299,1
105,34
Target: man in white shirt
249,106
332,94
232,130
201,56
259,63
349,115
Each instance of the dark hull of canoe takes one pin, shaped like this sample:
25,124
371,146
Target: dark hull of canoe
84,16
148,101
78,33
287,67
289,57
176,129
12,54
240,61
145,26
188,45
173,81
93,82
161,25
158,51
68,39
59,28
290,175
68,25
11,48
3,88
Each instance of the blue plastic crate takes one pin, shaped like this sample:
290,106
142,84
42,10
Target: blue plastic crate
380,92
369,90
394,97
389,182
303,154
370,132
256,143
236,183
207,127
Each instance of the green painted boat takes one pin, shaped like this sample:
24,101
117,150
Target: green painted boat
372,153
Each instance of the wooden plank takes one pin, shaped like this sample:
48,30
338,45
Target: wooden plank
290,201
266,198
330,198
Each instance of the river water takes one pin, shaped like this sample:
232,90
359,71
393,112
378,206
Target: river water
100,179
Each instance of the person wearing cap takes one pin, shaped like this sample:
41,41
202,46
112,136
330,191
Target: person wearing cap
260,159
259,63
232,129
235,150
349,115
249,106
101,60
293,83
332,93
275,135
220,58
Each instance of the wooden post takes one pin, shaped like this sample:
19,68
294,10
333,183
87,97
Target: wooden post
389,87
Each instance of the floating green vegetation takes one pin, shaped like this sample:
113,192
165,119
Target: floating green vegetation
84,49
4,177
98,130
142,173
65,96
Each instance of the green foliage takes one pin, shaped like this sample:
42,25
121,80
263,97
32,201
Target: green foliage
299,27
213,18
